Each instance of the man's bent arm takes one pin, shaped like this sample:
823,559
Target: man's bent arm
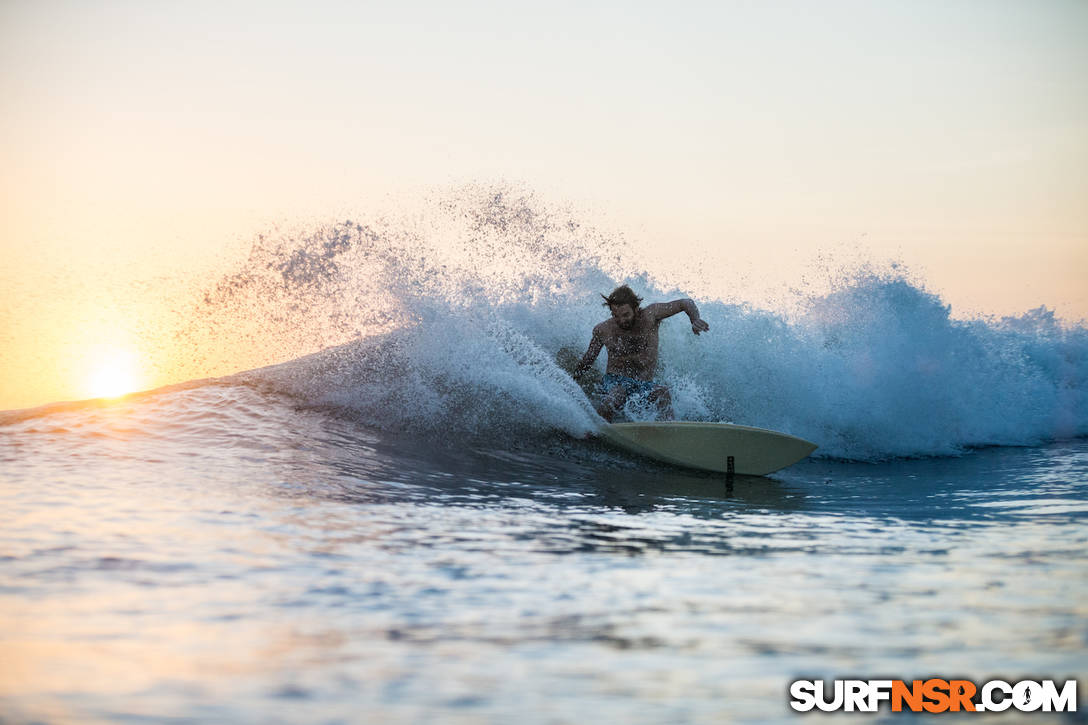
662,310
595,345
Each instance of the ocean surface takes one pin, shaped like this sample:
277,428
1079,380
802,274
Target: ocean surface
402,521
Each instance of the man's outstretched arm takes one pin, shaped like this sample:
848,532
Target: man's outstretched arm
661,310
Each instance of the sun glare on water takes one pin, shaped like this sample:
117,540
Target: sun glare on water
112,373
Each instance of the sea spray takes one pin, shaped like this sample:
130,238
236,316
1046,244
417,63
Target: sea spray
449,320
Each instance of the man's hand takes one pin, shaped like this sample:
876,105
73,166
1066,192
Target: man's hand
699,325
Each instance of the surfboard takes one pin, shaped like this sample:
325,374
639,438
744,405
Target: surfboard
710,446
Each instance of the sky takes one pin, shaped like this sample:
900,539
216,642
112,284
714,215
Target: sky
145,144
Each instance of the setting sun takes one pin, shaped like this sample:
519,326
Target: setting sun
112,373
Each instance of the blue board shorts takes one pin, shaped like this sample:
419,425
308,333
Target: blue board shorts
630,385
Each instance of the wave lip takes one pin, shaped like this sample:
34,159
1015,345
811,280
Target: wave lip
875,370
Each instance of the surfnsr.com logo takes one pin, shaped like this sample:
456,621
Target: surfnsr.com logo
934,695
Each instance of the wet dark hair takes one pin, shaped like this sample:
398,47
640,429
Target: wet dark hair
622,296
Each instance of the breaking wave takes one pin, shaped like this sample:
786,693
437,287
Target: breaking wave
450,322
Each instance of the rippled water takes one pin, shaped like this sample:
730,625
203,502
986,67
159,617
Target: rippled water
217,554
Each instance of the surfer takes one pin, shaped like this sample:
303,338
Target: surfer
630,336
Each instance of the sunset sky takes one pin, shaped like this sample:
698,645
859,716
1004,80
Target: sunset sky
144,144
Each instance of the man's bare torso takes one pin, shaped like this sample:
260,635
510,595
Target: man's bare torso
631,352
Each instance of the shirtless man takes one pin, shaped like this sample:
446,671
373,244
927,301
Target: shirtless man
630,336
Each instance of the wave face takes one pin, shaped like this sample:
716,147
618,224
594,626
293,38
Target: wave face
449,324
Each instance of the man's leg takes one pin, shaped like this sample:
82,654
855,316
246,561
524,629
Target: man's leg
612,402
663,398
